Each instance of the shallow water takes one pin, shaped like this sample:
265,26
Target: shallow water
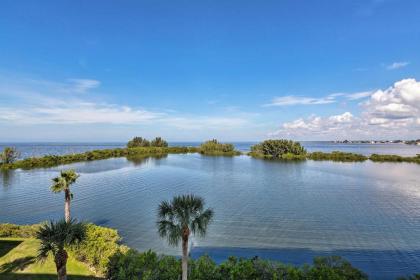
368,212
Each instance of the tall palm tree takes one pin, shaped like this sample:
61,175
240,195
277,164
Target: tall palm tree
62,183
54,237
179,218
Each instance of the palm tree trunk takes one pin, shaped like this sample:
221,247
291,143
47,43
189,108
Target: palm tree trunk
61,264
67,205
184,257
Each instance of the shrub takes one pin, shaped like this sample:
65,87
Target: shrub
277,149
337,156
148,265
9,155
20,231
333,268
213,147
158,142
100,245
138,142
394,158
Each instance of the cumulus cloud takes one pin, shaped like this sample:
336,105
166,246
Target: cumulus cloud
396,106
397,65
393,112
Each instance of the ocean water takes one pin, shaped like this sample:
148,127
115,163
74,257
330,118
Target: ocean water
290,211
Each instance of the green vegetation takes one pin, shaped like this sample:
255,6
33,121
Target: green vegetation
18,231
158,142
18,262
178,219
337,156
278,149
62,183
8,155
394,158
95,251
54,160
148,265
138,142
98,247
215,148
142,142
54,238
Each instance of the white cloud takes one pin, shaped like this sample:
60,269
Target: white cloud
397,65
291,100
84,85
78,113
40,102
358,95
300,100
393,112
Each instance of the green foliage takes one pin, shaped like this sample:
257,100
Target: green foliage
148,265
98,247
54,237
279,149
182,215
204,268
213,147
394,158
138,142
142,142
54,160
337,156
333,268
24,231
158,142
145,266
63,182
9,155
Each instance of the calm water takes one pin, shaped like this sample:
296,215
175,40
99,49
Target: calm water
367,212
41,149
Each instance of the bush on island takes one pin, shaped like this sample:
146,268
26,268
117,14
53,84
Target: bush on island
158,142
214,147
8,155
278,149
138,142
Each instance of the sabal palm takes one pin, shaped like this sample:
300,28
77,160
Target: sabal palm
179,218
62,183
54,237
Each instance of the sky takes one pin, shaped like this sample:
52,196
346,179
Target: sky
235,70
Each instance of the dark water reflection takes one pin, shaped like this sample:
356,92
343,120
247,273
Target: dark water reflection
367,211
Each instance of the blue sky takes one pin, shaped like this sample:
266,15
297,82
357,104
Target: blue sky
194,70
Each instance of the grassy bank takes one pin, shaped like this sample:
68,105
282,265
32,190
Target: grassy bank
17,261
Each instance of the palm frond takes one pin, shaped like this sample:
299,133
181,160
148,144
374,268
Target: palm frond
54,236
185,212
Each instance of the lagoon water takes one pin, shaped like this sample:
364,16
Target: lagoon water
291,211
